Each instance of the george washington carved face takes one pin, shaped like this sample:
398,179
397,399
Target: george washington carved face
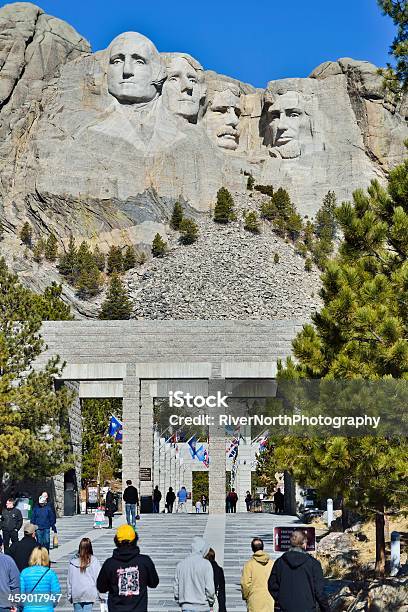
135,72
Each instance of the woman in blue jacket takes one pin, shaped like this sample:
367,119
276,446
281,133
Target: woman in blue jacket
40,589
43,516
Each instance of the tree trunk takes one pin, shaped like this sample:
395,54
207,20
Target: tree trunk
379,543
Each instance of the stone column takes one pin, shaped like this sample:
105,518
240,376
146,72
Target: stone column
188,483
146,436
243,480
217,469
162,461
131,428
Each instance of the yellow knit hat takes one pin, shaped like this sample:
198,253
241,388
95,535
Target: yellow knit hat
125,533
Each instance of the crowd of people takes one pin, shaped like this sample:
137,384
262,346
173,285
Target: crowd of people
293,583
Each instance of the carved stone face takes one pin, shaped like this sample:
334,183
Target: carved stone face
222,119
182,89
134,69
285,117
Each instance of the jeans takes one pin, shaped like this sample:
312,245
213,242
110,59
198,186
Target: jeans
131,514
9,536
43,537
156,507
182,507
83,607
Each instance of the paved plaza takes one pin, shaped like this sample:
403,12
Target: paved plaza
167,539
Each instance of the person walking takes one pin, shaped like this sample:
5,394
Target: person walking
254,580
83,571
182,500
11,522
20,551
9,580
194,587
127,575
38,578
228,503
279,501
297,582
233,500
170,499
248,501
204,503
219,583
156,499
43,516
110,506
198,507
131,499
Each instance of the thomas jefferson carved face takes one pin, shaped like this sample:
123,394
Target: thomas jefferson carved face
222,118
285,118
182,91
135,73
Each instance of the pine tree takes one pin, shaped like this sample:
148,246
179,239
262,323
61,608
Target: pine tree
360,333
397,79
177,216
265,189
129,259
224,208
68,263
51,248
252,222
294,226
89,282
32,412
117,304
188,231
250,182
308,265
38,250
159,246
115,260
325,221
99,258
268,210
26,234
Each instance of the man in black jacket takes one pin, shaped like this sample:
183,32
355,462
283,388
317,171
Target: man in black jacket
170,499
11,522
21,551
296,581
131,499
127,575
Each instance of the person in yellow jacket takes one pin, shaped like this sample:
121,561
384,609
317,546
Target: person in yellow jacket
254,579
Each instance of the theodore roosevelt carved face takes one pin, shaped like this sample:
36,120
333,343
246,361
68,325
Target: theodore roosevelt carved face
135,72
222,117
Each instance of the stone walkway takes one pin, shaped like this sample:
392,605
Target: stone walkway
167,539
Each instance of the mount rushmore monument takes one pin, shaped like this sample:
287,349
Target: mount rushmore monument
103,144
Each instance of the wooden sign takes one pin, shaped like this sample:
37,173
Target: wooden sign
281,538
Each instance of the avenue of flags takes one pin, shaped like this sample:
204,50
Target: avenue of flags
197,450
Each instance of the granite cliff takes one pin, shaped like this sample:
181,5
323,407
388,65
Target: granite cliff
100,145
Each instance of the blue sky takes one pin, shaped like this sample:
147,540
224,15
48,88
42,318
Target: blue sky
253,41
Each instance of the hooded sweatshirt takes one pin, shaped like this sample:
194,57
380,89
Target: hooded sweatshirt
254,583
81,586
126,577
194,580
297,582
